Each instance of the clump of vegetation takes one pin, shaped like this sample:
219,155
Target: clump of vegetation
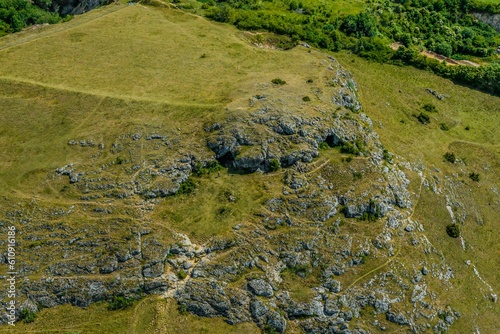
310,81
429,107
120,303
306,99
267,329
324,145
300,269
355,148
278,81
209,168
183,309
423,118
444,126
274,165
386,155
27,315
119,160
357,175
474,176
453,230
181,274
467,128
186,187
450,157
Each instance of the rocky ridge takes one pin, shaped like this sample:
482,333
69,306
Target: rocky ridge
300,234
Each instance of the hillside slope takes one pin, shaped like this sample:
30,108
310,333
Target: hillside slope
150,154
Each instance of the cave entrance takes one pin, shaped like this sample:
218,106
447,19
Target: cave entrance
330,140
227,160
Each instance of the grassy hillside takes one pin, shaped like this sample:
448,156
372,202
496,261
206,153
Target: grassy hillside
125,69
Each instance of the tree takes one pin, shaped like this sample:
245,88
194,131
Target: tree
453,230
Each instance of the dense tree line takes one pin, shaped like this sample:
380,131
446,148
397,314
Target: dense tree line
444,26
16,15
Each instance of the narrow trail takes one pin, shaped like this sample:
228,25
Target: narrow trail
399,246
109,95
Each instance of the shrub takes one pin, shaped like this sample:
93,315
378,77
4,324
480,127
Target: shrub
181,274
423,118
186,187
183,309
120,303
324,145
209,168
453,230
429,107
444,126
306,99
474,176
349,148
278,81
386,155
467,128
119,160
27,315
274,165
450,157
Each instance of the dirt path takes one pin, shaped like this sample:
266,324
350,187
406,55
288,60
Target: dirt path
399,246
430,54
105,95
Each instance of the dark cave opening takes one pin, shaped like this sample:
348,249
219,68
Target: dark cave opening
227,160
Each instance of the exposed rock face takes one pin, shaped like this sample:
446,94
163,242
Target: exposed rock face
491,19
75,7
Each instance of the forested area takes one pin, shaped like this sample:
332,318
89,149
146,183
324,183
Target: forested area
446,27
16,15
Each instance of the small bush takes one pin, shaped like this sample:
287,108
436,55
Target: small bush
306,99
453,230
474,176
423,118
186,187
450,157
183,309
429,107
278,81
181,274
310,80
467,128
357,175
324,145
119,160
386,155
274,165
27,315
349,149
120,303
209,168
444,126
